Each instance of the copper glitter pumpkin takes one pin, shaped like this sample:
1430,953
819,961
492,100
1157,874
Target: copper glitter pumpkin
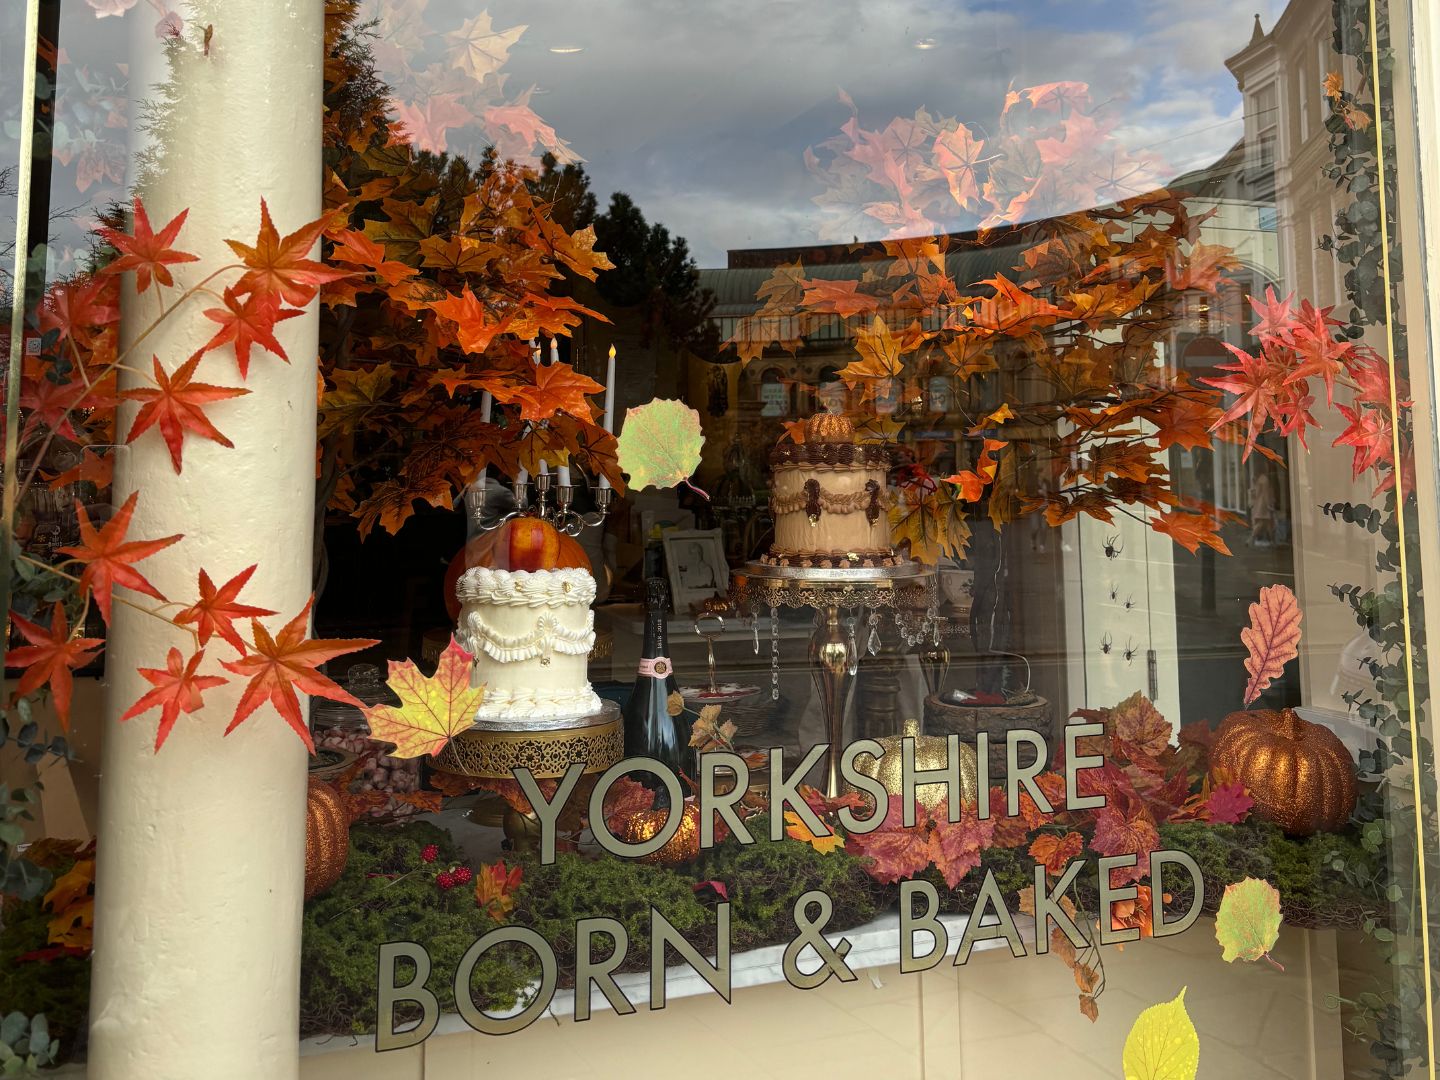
1299,774
327,838
829,428
683,847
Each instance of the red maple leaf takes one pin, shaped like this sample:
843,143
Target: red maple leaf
1276,316
248,321
177,689
281,268
279,666
50,658
425,123
77,307
107,555
147,252
54,404
1257,383
895,852
1126,830
177,405
216,610
1228,804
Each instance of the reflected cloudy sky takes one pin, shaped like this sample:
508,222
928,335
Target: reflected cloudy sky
703,111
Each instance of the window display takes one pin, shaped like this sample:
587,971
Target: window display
751,525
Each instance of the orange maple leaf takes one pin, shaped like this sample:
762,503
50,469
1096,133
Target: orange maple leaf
1056,852
50,658
281,268
558,388
216,610
94,467
146,252
1190,530
475,330
248,321
431,710
177,405
177,689
796,829
495,888
838,298
972,484
356,248
279,666
107,555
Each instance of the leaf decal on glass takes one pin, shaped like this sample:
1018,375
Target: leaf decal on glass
1247,925
1272,638
660,444
1162,1045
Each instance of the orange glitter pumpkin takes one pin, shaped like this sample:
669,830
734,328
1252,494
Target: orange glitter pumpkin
683,847
829,428
327,838
1299,774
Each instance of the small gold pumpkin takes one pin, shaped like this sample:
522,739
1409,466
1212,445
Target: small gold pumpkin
931,752
1299,774
327,838
683,847
829,427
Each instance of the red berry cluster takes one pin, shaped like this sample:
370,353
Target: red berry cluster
430,852
456,875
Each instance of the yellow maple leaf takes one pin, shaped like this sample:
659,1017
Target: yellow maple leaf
932,521
431,710
796,830
74,907
1162,1045
356,394
479,49
880,353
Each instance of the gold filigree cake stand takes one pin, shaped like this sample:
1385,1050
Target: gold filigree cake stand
546,748
908,591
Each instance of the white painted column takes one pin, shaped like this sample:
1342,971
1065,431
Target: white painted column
201,847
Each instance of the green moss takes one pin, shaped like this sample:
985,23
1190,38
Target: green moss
58,988
766,878
344,928
1323,879
1013,869
577,887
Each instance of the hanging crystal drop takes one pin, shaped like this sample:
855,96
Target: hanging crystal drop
774,653
872,644
852,647
755,632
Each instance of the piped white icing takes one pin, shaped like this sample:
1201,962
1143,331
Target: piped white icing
526,588
531,633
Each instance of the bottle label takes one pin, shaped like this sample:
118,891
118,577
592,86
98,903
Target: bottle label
656,667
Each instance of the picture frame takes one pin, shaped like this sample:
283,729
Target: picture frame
695,563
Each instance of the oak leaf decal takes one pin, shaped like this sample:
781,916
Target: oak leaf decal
1272,638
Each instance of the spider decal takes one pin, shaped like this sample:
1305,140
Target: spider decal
1113,546
1130,603
1130,650
1107,643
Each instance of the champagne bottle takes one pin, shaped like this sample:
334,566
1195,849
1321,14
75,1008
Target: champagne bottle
650,730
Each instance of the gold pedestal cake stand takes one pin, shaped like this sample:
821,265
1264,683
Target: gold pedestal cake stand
493,750
908,591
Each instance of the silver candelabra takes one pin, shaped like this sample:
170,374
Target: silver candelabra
551,503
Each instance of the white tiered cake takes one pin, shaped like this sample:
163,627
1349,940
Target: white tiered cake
531,633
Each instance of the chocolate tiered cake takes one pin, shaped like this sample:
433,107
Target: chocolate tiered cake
829,499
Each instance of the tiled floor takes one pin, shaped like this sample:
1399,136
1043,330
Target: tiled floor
995,1017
